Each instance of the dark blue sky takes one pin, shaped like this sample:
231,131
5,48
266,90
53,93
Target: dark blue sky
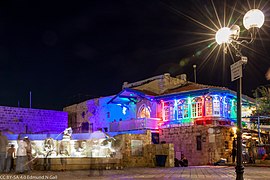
69,51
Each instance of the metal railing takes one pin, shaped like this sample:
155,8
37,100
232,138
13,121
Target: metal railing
135,124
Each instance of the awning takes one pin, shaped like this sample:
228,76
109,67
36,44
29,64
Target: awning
128,96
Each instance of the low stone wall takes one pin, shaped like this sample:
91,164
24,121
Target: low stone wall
146,154
77,163
215,142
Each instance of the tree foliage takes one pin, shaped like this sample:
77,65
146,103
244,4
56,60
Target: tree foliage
262,95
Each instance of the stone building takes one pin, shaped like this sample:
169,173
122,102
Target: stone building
196,118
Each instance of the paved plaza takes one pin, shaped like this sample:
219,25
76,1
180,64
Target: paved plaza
192,172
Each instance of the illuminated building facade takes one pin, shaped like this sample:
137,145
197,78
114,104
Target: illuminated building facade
166,105
157,102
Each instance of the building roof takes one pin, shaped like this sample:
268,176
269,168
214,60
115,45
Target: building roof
190,86
166,87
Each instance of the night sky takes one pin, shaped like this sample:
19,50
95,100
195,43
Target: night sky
69,51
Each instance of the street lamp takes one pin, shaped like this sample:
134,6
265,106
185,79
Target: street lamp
252,21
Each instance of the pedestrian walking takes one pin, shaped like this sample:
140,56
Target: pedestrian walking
21,162
63,151
29,152
3,145
233,154
10,158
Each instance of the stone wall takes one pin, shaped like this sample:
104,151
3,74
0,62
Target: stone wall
149,151
25,120
216,142
81,163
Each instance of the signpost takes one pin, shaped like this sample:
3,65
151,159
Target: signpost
236,70
236,73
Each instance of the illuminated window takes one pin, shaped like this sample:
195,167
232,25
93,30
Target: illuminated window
182,108
216,106
144,112
168,109
233,108
196,107
229,108
208,106
225,107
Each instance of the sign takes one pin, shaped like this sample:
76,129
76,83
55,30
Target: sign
136,147
236,70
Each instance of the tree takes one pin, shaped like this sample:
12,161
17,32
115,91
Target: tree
262,95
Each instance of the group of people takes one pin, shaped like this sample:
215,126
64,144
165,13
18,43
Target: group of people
23,155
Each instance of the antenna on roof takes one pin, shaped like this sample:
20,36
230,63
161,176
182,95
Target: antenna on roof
194,67
30,94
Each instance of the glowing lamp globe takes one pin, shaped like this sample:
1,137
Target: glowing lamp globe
223,35
253,18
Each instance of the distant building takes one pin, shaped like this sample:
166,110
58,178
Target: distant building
196,118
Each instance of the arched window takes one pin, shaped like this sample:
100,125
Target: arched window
196,107
208,106
182,108
144,111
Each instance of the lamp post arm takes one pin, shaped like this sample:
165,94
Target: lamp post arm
237,49
252,33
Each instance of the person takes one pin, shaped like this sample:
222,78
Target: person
183,162
10,158
176,162
3,145
21,162
63,151
48,151
29,152
233,154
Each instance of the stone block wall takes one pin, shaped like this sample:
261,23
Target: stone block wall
25,120
153,150
216,142
82,163
149,151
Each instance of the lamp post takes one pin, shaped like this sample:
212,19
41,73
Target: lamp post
252,21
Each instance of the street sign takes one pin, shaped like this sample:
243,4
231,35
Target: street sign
236,70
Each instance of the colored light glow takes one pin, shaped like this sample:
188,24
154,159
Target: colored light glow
189,110
181,109
124,110
234,130
233,109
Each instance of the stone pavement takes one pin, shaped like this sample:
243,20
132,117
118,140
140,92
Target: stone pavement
192,172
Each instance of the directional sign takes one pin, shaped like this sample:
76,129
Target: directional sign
236,70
